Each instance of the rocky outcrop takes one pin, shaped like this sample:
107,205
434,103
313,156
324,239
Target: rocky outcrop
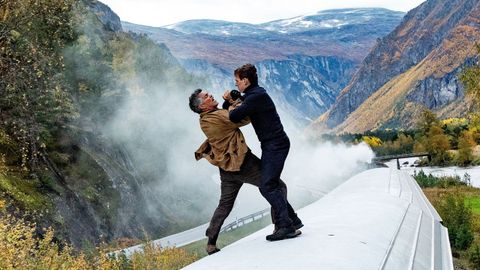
308,84
107,17
434,93
336,72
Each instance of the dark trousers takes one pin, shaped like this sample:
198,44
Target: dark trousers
231,182
274,154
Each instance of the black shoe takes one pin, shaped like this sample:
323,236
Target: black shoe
282,233
297,223
211,249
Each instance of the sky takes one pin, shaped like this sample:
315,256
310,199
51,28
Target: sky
165,12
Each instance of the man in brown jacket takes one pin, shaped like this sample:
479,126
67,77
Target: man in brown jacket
225,148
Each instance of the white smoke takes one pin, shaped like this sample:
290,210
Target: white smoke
170,133
312,169
171,130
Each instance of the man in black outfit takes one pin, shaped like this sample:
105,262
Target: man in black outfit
275,145
225,147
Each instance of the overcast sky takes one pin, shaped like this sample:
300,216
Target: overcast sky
164,12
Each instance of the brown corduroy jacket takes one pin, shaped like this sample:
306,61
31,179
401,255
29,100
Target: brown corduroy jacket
225,146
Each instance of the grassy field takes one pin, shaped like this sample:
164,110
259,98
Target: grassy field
474,202
225,239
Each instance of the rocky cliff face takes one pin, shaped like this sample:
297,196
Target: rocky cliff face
425,39
220,78
434,93
334,71
107,17
303,86
308,85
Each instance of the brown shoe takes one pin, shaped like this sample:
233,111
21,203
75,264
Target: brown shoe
212,249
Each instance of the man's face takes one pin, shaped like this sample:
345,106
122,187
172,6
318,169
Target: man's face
208,103
241,84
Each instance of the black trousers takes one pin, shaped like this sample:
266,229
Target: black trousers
274,154
231,182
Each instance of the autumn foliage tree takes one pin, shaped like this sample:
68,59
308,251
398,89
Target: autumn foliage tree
34,101
432,138
426,121
372,141
470,78
22,248
466,143
438,144
401,145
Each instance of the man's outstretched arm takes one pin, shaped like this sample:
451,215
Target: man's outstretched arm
244,121
244,110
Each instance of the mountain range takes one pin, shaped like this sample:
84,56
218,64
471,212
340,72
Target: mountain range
303,61
414,67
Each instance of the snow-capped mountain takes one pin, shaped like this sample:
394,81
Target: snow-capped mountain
346,33
326,19
218,28
333,19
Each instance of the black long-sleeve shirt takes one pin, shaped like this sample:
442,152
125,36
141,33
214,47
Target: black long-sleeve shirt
258,105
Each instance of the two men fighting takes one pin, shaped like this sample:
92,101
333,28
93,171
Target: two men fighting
225,148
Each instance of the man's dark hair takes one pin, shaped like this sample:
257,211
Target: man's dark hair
247,71
195,101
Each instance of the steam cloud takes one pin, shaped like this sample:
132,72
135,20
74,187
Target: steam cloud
172,130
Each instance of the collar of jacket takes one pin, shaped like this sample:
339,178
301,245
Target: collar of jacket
207,112
250,87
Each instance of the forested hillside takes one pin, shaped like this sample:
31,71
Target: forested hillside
69,77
